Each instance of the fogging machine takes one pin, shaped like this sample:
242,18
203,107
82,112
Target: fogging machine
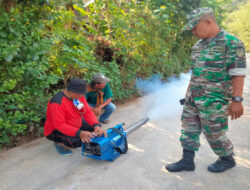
113,145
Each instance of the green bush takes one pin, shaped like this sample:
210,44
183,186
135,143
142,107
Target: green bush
237,22
24,67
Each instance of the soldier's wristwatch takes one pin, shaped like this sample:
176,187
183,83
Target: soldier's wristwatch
237,99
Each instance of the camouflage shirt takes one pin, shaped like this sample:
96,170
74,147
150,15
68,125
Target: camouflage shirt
214,62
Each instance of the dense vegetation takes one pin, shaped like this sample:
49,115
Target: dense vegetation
238,23
44,42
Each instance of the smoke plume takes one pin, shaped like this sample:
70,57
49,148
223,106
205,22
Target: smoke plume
163,97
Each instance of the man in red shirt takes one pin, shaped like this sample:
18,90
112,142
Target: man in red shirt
70,120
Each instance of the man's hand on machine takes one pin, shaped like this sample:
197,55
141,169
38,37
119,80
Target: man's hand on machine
99,131
85,136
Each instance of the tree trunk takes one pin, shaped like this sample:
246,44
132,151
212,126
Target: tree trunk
8,4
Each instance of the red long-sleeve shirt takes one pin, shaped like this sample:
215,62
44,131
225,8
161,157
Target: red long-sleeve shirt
63,116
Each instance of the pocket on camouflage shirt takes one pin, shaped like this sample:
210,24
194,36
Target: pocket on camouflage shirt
214,74
218,53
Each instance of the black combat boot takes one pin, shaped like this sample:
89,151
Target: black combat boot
185,164
222,164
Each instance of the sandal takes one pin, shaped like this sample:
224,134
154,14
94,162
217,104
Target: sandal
63,151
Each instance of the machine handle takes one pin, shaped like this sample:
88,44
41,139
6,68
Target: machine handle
125,142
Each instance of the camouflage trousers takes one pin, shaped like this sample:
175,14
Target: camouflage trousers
210,116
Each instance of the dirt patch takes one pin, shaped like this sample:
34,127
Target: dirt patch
22,139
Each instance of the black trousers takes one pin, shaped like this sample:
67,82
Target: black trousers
74,142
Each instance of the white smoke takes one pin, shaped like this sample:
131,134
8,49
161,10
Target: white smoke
164,98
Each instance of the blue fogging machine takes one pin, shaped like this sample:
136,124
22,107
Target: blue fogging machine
113,145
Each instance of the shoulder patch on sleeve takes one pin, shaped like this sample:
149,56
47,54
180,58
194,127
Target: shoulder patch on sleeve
240,51
57,98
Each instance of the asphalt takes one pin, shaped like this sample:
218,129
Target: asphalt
36,165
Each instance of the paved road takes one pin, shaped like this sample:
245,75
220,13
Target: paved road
36,165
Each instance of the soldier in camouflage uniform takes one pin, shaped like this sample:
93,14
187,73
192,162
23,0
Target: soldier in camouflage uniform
214,92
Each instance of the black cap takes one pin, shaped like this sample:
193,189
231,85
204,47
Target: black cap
77,85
